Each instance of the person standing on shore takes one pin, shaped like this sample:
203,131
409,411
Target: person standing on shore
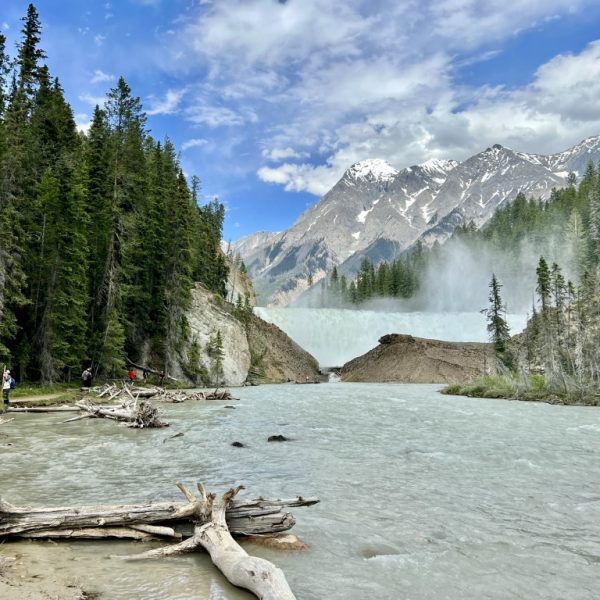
6,385
87,377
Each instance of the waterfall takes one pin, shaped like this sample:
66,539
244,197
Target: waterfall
334,336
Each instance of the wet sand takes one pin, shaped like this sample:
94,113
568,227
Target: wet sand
29,571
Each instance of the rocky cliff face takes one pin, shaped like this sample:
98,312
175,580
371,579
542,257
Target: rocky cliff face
408,359
208,315
257,350
376,212
275,357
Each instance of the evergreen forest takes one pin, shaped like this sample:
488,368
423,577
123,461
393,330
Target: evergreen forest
102,237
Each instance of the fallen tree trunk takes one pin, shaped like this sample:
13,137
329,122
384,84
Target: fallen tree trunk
213,525
216,395
245,517
135,532
135,414
43,409
257,575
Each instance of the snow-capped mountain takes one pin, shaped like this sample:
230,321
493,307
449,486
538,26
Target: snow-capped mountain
376,211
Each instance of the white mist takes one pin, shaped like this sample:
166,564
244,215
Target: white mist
335,336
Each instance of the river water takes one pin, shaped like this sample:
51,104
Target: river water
335,336
423,496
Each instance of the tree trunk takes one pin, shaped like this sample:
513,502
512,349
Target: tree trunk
260,576
136,414
213,526
245,517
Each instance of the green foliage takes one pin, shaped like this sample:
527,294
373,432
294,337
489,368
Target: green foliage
102,239
487,386
543,287
398,279
193,367
243,310
216,353
496,314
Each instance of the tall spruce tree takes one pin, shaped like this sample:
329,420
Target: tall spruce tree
543,287
496,314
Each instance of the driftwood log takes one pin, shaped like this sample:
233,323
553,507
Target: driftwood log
135,413
214,523
217,395
257,575
178,396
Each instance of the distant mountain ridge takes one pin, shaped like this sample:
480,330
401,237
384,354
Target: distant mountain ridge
375,211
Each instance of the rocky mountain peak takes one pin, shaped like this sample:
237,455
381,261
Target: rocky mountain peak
377,212
372,169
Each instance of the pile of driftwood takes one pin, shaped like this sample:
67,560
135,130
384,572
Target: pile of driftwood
112,392
204,521
216,395
133,412
182,395
178,396
3,421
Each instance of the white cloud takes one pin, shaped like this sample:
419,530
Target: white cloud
346,81
278,154
168,105
194,143
92,100
101,77
5,25
217,116
557,109
99,39
297,178
262,32
83,122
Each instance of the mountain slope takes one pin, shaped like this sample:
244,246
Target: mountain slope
376,212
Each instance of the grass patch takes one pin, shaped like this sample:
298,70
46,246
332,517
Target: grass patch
37,389
488,386
534,390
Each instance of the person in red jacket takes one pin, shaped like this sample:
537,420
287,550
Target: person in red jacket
131,375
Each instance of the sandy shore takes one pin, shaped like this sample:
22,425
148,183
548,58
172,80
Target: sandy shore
27,572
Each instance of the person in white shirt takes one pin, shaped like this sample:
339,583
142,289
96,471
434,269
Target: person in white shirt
6,387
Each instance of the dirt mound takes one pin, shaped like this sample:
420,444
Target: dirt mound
407,359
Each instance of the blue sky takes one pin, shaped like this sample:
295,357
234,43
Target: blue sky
269,101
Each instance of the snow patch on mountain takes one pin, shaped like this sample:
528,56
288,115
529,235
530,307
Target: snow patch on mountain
372,169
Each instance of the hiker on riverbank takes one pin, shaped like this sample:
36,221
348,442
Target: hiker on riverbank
87,377
6,387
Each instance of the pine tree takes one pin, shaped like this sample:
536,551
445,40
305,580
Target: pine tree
29,54
543,287
4,71
496,314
